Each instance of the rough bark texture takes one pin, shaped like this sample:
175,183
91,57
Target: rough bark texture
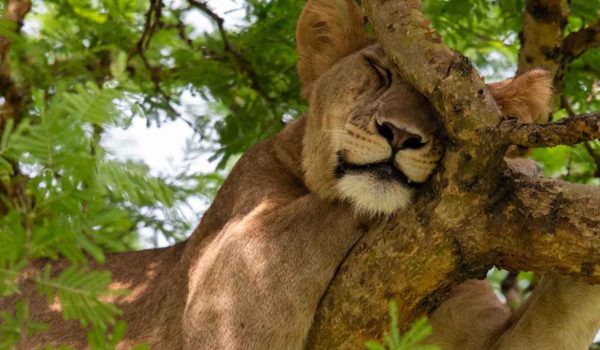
547,225
568,131
542,35
477,212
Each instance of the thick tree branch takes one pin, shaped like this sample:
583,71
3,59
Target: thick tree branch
402,260
549,225
474,214
541,38
567,131
576,43
449,81
415,259
542,35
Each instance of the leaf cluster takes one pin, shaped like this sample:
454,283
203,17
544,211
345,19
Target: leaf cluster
413,339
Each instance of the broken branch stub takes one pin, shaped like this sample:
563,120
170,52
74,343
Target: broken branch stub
567,131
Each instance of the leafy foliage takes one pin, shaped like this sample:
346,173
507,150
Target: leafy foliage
411,340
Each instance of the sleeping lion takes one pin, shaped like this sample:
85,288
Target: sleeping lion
253,272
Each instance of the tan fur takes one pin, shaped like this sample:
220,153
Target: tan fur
322,36
526,97
253,272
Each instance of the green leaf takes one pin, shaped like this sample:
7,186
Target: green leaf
80,294
412,340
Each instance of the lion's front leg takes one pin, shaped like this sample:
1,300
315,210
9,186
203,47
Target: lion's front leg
561,314
259,281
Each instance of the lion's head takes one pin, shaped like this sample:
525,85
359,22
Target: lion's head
370,137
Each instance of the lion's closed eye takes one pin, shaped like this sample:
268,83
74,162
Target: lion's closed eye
383,74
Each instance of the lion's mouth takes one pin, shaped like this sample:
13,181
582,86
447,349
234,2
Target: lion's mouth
384,171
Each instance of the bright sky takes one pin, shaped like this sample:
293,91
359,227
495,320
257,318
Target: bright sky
162,148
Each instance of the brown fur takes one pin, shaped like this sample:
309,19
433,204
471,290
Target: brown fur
253,272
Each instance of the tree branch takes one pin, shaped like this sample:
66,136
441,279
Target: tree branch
152,23
401,260
239,59
220,22
415,259
456,229
576,43
567,131
548,225
449,81
542,35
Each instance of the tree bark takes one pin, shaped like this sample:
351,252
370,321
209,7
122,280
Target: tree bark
567,131
477,212
548,226
542,35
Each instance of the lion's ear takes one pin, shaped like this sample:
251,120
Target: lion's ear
527,97
327,31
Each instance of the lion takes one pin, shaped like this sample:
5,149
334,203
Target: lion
253,272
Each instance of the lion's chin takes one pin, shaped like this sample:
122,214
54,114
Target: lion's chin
372,196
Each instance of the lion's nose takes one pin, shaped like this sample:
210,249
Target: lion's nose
400,138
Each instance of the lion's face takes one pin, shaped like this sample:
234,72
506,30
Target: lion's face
371,137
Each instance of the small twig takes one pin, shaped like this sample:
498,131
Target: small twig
595,156
219,21
180,26
566,104
151,25
567,131
573,46
238,58
153,21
